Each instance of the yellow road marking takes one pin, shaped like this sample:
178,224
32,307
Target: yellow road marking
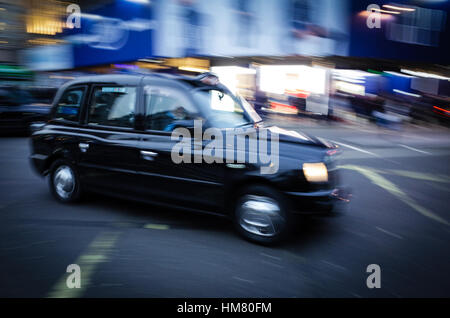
156,226
409,174
384,183
420,176
439,187
97,252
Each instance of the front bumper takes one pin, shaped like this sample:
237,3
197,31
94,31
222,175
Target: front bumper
317,202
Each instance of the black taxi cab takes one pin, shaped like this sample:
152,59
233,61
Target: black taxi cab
148,138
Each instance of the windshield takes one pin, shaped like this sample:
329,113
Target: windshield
224,110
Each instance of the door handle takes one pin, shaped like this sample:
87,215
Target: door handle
83,146
148,155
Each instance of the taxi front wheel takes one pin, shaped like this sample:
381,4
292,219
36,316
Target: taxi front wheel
261,215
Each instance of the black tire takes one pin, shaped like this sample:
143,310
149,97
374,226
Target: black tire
261,191
75,190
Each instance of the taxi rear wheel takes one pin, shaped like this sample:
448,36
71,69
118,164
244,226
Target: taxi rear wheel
64,181
261,215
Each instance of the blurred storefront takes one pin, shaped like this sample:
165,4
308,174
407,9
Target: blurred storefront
292,54
251,28
12,30
125,31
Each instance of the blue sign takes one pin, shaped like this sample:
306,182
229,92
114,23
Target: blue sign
415,30
118,32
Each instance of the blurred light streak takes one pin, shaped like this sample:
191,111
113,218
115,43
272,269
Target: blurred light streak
382,16
354,148
192,69
399,74
91,16
385,11
350,88
139,1
416,150
424,74
126,66
406,93
156,226
445,112
389,6
283,108
61,77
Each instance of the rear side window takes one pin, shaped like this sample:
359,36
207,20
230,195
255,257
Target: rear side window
113,106
69,104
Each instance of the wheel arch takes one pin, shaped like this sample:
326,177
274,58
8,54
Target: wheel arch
57,154
235,188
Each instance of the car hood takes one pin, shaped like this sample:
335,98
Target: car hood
296,137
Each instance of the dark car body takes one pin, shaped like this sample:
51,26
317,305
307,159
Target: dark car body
135,162
19,108
431,108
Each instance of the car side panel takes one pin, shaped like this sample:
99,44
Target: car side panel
110,159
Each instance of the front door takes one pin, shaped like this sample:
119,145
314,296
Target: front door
186,184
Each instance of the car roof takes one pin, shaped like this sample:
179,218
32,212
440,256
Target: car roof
135,78
107,78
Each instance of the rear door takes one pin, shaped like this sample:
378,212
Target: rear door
108,139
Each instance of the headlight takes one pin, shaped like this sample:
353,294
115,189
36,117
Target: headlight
315,172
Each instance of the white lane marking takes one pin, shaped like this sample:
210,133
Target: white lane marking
270,256
272,264
389,233
414,149
243,280
335,265
354,148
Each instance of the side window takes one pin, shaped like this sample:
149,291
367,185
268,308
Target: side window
112,106
69,104
166,108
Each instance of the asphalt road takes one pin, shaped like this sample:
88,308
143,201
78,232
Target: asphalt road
398,218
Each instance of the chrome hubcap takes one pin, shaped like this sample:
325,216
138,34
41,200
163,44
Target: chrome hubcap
260,215
64,181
